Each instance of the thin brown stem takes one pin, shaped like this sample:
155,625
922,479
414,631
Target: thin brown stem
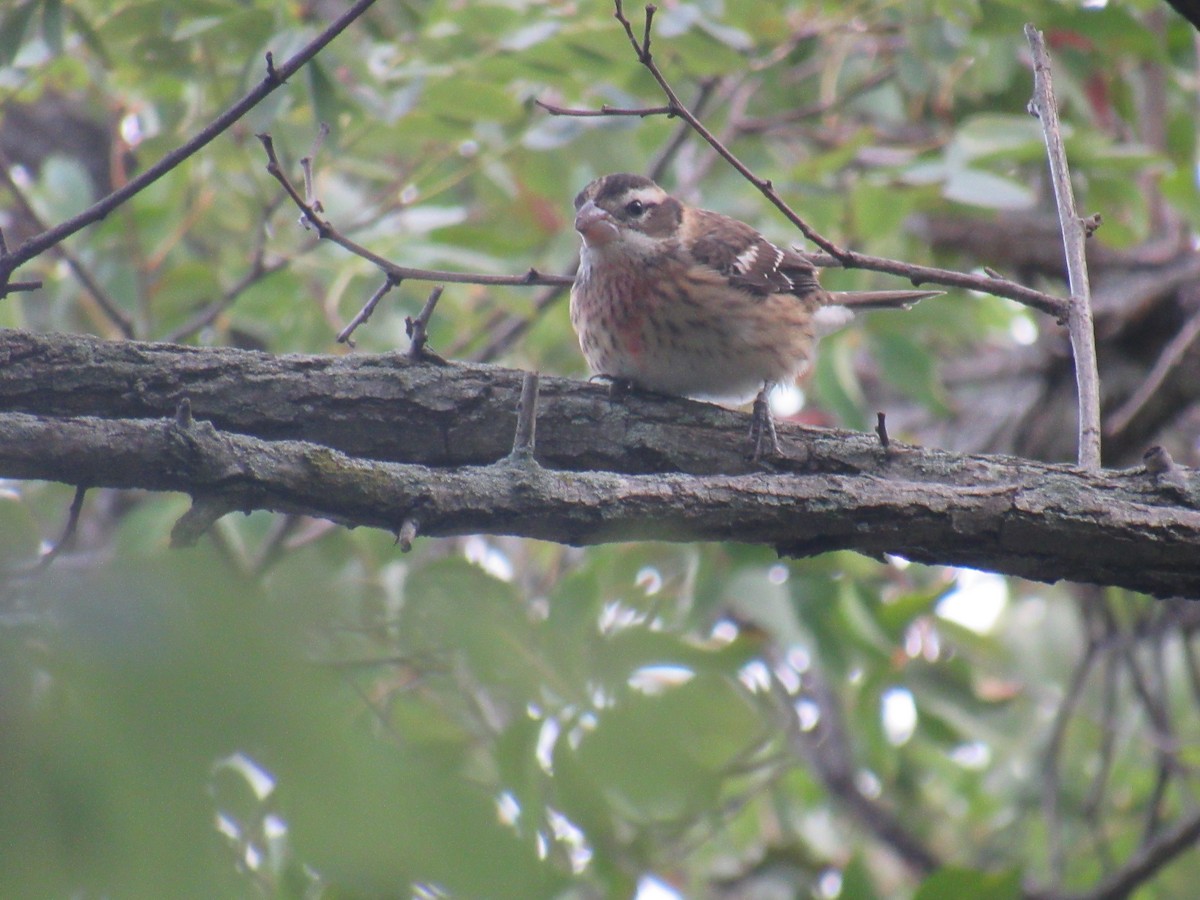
525,438
417,329
68,532
1079,318
365,313
326,231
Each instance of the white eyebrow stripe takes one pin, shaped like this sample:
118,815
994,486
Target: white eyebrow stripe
647,195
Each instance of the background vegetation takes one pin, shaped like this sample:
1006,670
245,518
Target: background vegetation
295,709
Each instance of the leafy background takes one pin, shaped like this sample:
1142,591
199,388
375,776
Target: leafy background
293,709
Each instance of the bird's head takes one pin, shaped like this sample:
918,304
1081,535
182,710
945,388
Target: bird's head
629,209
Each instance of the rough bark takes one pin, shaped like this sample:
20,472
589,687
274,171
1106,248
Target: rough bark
380,440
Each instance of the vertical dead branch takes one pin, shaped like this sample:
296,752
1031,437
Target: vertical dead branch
1079,314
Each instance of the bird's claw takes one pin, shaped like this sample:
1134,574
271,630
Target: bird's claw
762,429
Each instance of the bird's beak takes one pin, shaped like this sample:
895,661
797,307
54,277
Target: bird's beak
596,226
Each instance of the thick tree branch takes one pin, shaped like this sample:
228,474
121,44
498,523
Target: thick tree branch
279,418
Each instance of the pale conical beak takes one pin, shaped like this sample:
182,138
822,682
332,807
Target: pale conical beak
596,226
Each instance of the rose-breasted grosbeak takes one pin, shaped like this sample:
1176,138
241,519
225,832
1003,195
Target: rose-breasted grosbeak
690,302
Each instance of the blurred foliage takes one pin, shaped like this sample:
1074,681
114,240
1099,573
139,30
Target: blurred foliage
300,711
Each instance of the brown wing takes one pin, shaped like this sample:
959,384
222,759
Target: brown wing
748,259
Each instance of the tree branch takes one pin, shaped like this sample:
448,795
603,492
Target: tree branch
310,213
836,490
1074,232
274,78
1140,868
918,275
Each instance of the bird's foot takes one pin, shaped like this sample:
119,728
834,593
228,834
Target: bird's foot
762,428
617,387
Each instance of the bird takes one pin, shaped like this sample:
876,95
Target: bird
673,299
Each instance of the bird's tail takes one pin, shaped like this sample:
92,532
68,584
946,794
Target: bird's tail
879,299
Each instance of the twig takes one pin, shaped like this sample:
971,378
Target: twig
642,48
663,159
306,166
369,307
407,534
1050,773
750,125
416,328
68,532
505,330
525,439
274,79
15,287
201,516
1142,866
1079,318
208,313
117,316
828,750
606,110
1171,354
325,230
881,429
918,275
183,414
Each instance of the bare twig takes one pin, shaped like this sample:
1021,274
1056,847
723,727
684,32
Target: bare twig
407,534
16,287
1141,867
750,125
306,166
1079,318
369,307
918,275
274,78
207,314
1050,764
1171,354
416,329
117,316
525,439
881,429
68,532
325,230
828,750
646,58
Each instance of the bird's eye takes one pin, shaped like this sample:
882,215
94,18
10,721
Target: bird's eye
635,207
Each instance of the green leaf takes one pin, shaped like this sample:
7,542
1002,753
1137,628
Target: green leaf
466,99
989,135
660,758
323,94
955,883
984,189
836,385
911,369
12,30
18,533
52,25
